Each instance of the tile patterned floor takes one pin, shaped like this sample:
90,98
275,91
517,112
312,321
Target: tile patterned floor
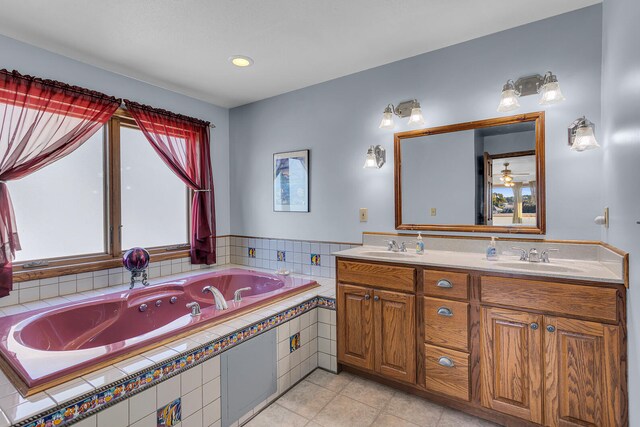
328,400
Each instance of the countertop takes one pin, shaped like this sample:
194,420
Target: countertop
587,270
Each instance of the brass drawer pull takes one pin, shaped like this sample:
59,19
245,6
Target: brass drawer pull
446,362
443,283
444,311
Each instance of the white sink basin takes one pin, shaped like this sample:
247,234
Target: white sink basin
389,254
538,267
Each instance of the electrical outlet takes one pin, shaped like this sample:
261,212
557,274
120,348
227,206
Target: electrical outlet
433,211
364,214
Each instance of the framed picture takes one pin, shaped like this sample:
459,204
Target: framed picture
291,181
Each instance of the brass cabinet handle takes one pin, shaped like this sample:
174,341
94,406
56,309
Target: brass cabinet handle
444,311
446,362
444,283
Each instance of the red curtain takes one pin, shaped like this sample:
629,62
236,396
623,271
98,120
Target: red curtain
41,121
183,144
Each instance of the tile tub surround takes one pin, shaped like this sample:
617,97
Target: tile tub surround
298,256
31,293
161,365
597,261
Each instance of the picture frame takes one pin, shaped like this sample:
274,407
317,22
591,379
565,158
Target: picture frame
291,181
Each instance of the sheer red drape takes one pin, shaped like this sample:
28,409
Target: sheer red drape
41,121
183,144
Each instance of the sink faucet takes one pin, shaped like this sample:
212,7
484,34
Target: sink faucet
393,246
523,253
195,309
221,304
237,295
544,256
534,256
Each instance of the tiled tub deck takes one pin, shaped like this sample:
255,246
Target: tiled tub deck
184,373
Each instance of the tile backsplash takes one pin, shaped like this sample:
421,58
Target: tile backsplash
30,293
298,256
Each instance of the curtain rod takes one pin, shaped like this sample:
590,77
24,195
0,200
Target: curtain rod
124,107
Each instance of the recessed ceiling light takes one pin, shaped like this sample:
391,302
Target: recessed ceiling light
241,61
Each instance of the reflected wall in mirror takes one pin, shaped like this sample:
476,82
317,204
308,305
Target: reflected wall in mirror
486,175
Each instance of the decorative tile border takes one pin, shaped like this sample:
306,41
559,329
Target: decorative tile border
106,396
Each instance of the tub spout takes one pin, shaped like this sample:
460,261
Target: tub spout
221,304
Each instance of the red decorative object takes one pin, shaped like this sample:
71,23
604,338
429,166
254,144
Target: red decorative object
136,259
183,144
41,121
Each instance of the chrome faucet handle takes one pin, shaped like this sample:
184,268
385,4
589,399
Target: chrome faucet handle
237,295
403,247
195,308
544,256
534,256
523,253
391,244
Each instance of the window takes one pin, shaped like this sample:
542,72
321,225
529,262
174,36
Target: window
70,194
154,200
112,193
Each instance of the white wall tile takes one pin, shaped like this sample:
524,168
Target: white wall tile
142,404
211,391
191,402
115,416
191,379
168,391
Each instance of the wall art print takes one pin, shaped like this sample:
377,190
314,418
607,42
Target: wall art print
291,181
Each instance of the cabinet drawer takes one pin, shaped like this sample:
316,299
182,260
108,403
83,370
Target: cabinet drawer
378,275
446,284
447,372
573,300
446,323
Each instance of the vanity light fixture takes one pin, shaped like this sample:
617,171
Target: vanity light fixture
376,157
582,135
409,109
241,61
547,86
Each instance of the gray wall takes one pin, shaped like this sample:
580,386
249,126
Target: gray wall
438,171
619,136
31,60
338,120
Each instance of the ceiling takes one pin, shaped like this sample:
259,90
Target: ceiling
184,45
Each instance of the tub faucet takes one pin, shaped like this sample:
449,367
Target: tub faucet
237,295
195,309
221,304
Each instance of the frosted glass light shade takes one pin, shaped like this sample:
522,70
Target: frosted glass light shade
416,118
370,162
584,139
550,93
387,120
508,101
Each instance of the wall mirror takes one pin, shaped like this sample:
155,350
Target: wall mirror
482,176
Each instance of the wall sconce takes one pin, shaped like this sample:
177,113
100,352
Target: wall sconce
547,86
376,157
582,135
409,109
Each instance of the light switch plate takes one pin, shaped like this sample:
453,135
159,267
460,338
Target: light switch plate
364,214
433,211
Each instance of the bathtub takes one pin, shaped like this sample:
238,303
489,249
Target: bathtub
43,347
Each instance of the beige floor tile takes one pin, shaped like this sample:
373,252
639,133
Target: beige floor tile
276,415
328,380
414,409
345,412
451,418
368,392
306,399
388,420
313,424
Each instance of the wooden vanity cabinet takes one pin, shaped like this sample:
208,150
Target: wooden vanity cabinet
377,326
514,350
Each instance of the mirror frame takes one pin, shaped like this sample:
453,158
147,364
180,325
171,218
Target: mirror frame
540,228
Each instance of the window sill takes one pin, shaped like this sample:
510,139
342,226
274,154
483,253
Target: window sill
76,266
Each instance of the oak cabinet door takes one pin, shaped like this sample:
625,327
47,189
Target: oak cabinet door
395,335
582,373
355,326
511,362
